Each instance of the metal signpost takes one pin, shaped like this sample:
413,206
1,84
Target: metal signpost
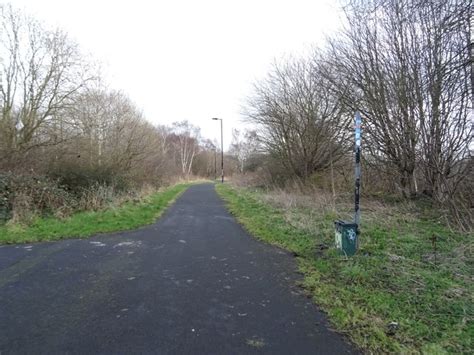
215,163
358,122
347,233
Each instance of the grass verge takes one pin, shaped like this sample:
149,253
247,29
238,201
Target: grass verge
400,274
85,224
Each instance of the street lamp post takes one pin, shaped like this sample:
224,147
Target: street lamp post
222,148
215,162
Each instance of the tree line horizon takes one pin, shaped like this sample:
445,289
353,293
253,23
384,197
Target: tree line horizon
406,66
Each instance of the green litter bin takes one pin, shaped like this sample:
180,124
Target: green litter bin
346,237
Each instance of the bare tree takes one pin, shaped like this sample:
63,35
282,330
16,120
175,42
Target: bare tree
446,120
186,139
111,138
243,146
41,71
299,120
402,63
372,76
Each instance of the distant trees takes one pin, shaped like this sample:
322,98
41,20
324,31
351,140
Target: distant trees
206,160
243,146
109,130
186,142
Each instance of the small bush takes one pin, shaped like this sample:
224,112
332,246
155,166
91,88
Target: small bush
23,198
22,209
96,197
5,199
26,196
79,179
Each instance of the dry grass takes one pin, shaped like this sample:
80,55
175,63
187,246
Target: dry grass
304,207
23,209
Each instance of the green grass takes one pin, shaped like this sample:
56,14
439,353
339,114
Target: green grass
392,278
85,224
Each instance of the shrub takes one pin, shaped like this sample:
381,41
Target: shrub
96,197
79,179
25,196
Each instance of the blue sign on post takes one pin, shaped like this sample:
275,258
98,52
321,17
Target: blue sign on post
358,122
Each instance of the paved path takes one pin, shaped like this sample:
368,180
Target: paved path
193,283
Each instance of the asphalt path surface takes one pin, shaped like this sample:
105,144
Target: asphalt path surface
192,283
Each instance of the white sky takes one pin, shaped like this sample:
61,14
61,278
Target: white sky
185,59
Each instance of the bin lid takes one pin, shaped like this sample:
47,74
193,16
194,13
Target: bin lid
345,223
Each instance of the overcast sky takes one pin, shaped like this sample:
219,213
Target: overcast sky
191,60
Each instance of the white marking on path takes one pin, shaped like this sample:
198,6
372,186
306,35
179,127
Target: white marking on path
98,244
129,244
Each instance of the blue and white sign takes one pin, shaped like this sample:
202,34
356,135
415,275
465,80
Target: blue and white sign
358,122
